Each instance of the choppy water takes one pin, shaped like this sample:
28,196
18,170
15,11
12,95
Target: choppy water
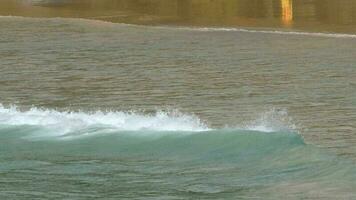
92,109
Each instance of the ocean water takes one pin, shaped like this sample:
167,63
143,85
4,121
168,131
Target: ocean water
47,154
93,109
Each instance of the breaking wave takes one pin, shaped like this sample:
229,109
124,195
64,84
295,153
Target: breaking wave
61,123
69,121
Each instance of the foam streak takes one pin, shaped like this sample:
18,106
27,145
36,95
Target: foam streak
120,121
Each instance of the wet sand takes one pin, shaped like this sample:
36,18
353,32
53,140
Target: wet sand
306,15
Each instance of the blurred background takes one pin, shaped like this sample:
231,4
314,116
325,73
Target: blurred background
313,15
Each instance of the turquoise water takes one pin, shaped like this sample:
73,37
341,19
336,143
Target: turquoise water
49,154
92,109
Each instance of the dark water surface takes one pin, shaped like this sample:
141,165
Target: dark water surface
195,107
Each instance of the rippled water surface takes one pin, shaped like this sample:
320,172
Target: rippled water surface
227,78
95,109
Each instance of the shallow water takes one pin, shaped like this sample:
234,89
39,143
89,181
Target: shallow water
94,109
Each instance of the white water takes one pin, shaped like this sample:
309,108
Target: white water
204,29
67,122
61,123
315,34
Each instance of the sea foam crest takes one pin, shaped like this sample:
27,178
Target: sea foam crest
278,32
272,120
68,122
60,123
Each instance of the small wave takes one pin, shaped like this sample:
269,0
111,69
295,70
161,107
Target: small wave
67,122
99,20
61,123
301,33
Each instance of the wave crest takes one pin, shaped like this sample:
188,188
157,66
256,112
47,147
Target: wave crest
272,120
70,123
66,122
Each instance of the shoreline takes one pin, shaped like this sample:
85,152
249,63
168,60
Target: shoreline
247,29
192,14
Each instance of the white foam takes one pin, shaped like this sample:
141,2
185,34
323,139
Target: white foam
300,33
72,124
98,20
271,121
62,123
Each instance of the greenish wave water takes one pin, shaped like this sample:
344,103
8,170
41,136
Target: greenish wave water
117,155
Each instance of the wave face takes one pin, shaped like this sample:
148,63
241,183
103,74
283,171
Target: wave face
129,155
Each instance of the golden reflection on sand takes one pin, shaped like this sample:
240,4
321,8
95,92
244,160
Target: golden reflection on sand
309,15
287,12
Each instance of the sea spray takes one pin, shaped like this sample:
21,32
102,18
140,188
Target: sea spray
64,122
